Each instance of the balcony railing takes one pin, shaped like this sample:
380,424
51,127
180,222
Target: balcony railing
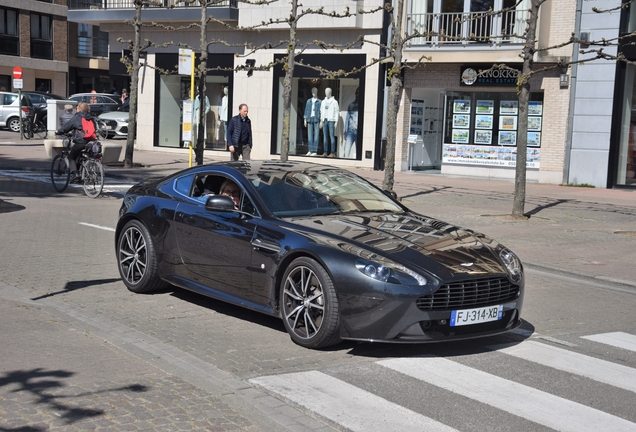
129,4
467,28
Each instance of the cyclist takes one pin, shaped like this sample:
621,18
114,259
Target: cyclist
84,130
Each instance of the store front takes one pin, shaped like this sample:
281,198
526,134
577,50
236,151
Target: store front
337,104
469,124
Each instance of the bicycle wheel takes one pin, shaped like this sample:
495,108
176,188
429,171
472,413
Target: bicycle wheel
93,178
39,130
60,173
102,130
27,130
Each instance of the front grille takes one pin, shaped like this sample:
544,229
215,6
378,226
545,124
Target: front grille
112,124
469,294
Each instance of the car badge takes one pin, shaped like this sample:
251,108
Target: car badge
466,264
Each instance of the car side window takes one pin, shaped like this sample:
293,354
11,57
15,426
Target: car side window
9,99
183,184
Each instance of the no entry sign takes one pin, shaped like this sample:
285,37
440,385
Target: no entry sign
17,72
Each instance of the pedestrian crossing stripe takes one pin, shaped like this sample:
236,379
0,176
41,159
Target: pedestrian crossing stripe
345,404
616,339
518,399
357,409
557,358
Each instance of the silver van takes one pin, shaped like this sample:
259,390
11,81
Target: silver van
9,110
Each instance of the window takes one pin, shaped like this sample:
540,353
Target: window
92,42
41,36
468,21
9,41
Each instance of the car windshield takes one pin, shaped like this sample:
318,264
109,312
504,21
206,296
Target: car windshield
320,192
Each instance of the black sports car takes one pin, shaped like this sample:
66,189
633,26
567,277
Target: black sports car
323,249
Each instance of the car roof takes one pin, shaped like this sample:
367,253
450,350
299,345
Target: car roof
93,94
51,95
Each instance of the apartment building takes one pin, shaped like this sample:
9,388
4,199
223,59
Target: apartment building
33,36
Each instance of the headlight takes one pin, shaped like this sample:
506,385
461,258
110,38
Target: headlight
512,263
388,271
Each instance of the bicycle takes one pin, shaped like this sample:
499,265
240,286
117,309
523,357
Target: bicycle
33,127
89,162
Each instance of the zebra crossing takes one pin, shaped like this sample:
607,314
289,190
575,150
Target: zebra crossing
111,186
357,409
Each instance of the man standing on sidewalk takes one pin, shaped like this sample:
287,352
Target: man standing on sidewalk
239,135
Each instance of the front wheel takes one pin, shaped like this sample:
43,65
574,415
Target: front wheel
60,173
137,260
39,130
93,178
309,306
102,130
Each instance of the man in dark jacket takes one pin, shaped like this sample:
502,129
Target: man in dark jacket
80,141
239,135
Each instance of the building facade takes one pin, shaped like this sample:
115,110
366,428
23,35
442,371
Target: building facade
33,36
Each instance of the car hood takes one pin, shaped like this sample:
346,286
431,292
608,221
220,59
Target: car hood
411,239
114,115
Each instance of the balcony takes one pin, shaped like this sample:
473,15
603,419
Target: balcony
461,29
111,11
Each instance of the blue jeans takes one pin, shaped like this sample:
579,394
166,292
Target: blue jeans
330,141
313,132
350,144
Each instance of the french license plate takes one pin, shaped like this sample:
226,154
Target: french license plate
476,316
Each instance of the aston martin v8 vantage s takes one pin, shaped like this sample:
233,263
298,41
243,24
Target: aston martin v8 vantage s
323,249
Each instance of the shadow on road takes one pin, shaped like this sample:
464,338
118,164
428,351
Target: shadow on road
41,383
75,285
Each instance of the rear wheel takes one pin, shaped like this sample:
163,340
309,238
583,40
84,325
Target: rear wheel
27,130
93,178
14,124
136,259
60,173
309,306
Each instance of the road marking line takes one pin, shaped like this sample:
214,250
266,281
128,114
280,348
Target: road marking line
518,399
97,226
599,370
618,339
345,404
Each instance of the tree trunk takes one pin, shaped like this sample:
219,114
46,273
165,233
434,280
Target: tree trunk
523,91
134,85
395,92
201,91
287,82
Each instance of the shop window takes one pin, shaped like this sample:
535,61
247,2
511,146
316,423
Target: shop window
626,172
481,128
9,41
337,104
41,36
174,90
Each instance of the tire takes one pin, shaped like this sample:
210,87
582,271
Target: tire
102,132
60,173
137,260
14,124
92,178
309,305
39,130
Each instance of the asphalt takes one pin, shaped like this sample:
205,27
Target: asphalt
583,233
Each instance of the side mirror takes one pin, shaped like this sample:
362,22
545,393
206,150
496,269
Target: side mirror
219,203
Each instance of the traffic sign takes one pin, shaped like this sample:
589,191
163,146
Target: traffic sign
17,83
17,72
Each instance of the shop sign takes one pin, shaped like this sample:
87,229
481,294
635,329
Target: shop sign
488,155
484,76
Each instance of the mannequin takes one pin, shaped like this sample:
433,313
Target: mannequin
329,112
195,120
351,129
312,120
223,113
221,125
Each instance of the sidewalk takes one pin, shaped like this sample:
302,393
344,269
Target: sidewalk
584,232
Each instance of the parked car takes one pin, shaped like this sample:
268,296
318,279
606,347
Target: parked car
9,107
326,251
116,121
39,101
99,102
